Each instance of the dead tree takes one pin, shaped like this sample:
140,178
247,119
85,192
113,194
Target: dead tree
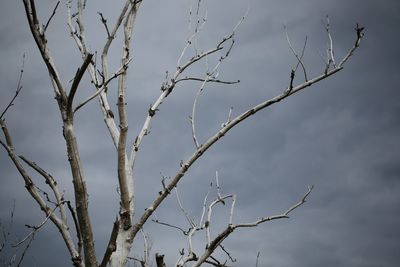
129,224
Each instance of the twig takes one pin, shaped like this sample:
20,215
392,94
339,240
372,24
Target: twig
145,249
77,79
41,41
360,34
185,232
299,58
232,209
190,221
229,118
331,57
104,21
205,205
227,253
26,249
200,23
212,80
211,76
52,15
45,194
6,234
77,228
103,86
19,88
141,261
52,184
218,188
193,116
35,228
220,199
258,256
279,216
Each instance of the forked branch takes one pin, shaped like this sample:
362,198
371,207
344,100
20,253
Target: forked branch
235,121
77,80
231,227
32,189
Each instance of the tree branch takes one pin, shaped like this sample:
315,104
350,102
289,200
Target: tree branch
30,186
360,34
211,80
299,58
19,88
52,184
200,151
104,21
279,216
77,79
231,227
103,86
52,15
35,228
112,244
41,42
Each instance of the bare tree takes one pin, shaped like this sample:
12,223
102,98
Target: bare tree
128,226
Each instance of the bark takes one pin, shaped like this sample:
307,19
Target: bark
81,196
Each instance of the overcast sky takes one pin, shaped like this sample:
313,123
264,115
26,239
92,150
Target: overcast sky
341,135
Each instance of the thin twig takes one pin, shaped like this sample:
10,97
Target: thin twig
19,88
52,15
189,220
330,51
77,228
229,118
220,199
26,249
185,232
35,228
104,21
227,253
103,86
218,188
299,58
52,184
258,256
193,116
360,34
77,79
146,251
212,80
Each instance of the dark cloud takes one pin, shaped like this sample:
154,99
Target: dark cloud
340,135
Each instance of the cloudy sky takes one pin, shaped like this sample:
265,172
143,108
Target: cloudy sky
341,135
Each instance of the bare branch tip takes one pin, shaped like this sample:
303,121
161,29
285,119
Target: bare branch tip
360,30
